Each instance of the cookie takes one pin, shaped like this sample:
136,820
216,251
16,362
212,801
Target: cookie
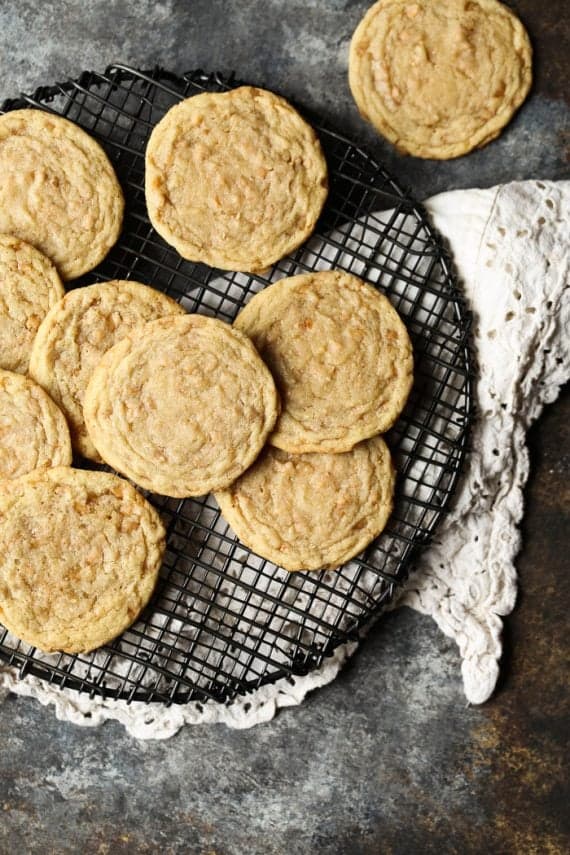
75,334
58,190
439,78
340,355
29,287
33,430
80,552
312,511
182,407
236,180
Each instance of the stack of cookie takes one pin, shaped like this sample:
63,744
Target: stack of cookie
316,365
342,361
81,550
279,415
237,180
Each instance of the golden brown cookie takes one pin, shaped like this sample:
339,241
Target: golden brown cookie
33,430
80,552
439,77
182,407
58,191
236,179
29,287
75,334
340,355
312,511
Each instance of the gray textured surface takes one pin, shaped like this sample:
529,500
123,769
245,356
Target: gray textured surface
298,47
388,759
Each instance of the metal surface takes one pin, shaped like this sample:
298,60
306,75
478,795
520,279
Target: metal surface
224,621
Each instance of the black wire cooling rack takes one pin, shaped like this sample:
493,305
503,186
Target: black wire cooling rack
223,621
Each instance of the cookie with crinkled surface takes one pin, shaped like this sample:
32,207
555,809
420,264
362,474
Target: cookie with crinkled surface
29,287
340,355
236,179
312,511
439,78
58,190
75,334
182,407
33,430
80,553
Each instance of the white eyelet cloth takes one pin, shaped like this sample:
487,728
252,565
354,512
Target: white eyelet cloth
511,249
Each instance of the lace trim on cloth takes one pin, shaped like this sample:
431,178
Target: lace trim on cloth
510,249
516,279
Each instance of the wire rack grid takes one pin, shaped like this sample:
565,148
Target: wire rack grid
224,621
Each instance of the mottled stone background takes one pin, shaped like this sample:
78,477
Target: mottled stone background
388,759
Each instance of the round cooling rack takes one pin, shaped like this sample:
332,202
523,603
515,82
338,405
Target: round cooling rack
224,621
